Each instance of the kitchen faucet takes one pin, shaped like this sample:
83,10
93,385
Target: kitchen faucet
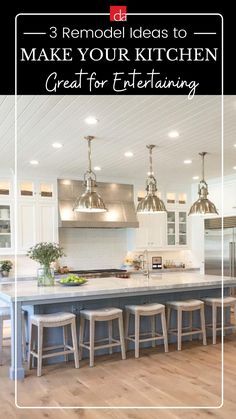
145,255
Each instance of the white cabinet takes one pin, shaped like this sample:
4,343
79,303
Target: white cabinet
40,190
165,231
37,213
47,223
6,227
6,217
26,226
151,233
6,188
177,227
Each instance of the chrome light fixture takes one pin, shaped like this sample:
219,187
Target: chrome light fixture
203,205
90,200
151,203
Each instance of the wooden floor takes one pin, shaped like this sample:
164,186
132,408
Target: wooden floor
189,377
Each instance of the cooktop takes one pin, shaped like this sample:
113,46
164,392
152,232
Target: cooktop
97,271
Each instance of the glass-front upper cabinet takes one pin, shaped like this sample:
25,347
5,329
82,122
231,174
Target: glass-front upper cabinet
46,190
5,226
182,227
171,221
37,190
176,228
176,198
27,189
182,199
5,188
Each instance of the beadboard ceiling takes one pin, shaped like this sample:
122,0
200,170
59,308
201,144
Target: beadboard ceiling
126,123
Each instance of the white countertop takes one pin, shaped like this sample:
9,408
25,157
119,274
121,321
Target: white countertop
28,291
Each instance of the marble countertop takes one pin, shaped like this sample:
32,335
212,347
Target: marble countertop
28,291
4,280
165,270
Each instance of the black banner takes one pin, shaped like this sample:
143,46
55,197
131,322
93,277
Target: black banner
139,51
145,54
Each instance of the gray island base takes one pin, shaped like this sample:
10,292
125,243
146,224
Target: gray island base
103,292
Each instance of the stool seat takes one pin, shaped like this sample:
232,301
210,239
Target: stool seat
151,310
215,300
41,321
51,318
145,308
101,313
216,303
107,314
186,304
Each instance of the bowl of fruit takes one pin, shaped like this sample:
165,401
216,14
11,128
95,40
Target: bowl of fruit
72,280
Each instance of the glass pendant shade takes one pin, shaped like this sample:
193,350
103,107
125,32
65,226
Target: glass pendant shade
151,203
90,200
203,206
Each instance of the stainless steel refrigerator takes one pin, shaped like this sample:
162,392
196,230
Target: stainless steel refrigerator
214,244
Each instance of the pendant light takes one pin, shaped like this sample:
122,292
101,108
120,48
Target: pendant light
151,203
89,201
203,206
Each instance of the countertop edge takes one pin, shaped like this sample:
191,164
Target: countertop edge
79,293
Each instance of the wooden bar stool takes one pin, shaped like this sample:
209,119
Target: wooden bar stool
189,306
101,315
215,303
5,314
41,321
146,310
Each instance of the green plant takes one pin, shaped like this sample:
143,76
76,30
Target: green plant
45,253
5,265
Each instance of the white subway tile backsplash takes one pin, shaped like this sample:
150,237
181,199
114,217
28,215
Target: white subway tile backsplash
99,249
93,248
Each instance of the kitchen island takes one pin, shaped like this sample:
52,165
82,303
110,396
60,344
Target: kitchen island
101,292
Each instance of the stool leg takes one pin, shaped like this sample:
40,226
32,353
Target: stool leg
136,333
40,350
214,314
110,335
235,313
23,337
30,356
179,328
65,341
190,325
223,322
34,340
91,342
75,343
81,337
168,317
153,326
1,339
127,317
122,339
164,330
203,326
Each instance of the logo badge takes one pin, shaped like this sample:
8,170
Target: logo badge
118,13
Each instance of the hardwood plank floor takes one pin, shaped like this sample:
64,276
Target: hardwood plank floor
191,377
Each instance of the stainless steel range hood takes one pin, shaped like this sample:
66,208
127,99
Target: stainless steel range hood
119,199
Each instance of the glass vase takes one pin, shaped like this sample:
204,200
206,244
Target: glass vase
45,276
